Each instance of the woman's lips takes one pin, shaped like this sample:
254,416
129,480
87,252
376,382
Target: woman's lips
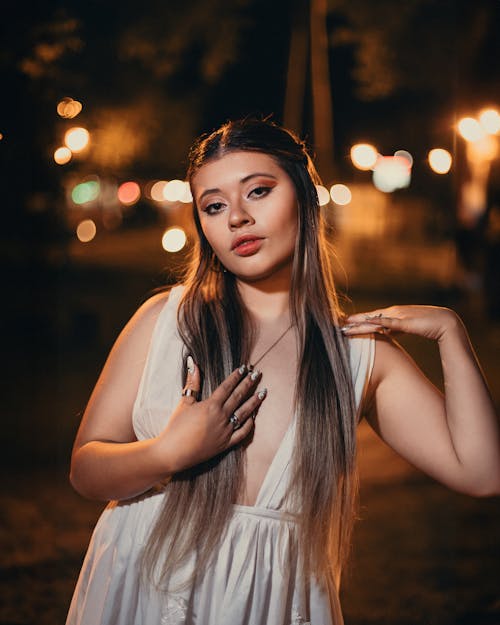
248,247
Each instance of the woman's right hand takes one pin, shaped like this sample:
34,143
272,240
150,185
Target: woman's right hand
197,431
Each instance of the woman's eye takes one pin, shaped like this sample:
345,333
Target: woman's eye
260,191
215,207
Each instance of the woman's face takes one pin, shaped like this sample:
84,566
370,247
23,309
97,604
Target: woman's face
247,207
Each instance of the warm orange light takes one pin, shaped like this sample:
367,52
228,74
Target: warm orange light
470,129
323,195
174,239
406,156
77,139
485,148
129,192
440,160
340,194
86,230
364,156
490,121
187,196
62,156
69,108
174,191
391,173
156,191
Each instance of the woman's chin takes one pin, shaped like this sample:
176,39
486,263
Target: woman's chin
269,275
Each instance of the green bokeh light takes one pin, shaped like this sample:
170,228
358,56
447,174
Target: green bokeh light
85,192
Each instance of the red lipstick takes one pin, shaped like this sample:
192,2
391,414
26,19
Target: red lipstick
246,245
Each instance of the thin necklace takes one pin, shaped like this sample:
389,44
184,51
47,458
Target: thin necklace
251,367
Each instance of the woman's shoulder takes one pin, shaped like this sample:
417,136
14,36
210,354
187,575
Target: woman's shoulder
145,318
150,310
152,307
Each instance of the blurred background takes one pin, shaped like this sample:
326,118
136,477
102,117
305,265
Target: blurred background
400,104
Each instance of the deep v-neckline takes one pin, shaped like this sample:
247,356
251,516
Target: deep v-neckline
271,468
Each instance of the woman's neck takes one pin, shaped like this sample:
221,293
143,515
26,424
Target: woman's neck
266,300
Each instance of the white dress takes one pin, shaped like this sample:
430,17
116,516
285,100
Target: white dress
254,578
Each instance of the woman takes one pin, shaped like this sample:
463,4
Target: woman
233,502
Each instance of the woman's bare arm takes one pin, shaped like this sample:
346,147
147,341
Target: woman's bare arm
108,462
456,437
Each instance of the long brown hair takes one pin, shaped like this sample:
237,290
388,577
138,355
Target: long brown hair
212,321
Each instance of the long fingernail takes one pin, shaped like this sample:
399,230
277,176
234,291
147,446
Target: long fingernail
348,326
261,394
242,369
254,375
190,365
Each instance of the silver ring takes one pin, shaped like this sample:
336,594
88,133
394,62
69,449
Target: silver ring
189,392
234,421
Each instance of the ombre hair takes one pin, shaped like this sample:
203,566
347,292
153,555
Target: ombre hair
218,333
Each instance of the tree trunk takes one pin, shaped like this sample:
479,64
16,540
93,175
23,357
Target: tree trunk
321,90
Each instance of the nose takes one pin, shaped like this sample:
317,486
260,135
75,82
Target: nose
238,216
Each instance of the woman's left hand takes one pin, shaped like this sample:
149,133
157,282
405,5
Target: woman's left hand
431,322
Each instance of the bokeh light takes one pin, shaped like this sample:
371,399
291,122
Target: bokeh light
340,194
173,240
391,173
440,160
364,156
69,108
129,192
406,155
86,230
470,129
187,196
84,192
323,195
174,190
62,155
156,190
77,139
490,121
485,148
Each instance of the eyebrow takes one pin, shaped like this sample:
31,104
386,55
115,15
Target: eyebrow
242,181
